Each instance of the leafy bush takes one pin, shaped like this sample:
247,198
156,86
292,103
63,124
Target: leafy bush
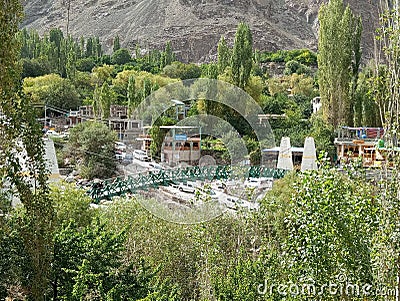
93,144
303,56
121,57
296,67
85,64
182,71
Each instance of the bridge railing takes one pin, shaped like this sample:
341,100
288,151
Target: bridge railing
122,185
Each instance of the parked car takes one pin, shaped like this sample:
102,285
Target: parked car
51,133
128,159
120,146
141,155
155,165
187,187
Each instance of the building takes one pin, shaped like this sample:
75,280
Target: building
86,112
128,129
182,144
145,139
355,142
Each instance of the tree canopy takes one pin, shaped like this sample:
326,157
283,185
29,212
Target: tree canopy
92,143
339,58
242,55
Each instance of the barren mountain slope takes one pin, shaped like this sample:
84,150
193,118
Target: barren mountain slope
193,26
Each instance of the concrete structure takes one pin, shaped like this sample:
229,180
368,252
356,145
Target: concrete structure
309,161
285,155
128,129
51,160
86,112
144,139
270,156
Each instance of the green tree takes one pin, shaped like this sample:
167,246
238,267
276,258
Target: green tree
157,135
133,99
96,102
98,52
58,51
338,62
89,47
182,71
323,134
102,74
242,55
366,110
330,221
22,150
105,100
88,263
116,44
121,57
385,82
210,71
71,57
85,64
167,56
52,90
93,143
34,67
296,67
224,55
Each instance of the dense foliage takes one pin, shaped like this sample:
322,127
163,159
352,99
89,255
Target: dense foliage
313,230
91,147
338,62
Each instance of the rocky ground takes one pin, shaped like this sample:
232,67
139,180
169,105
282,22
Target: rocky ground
193,26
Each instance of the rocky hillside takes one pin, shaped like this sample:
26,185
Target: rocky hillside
193,26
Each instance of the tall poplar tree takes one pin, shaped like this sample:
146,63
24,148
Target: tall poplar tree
338,61
116,44
386,79
224,55
168,56
22,150
105,100
242,55
131,95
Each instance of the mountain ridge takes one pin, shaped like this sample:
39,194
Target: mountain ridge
194,27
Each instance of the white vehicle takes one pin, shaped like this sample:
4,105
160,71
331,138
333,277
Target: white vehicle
259,182
187,187
51,133
155,165
252,182
120,146
120,156
141,155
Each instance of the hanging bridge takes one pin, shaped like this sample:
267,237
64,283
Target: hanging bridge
130,184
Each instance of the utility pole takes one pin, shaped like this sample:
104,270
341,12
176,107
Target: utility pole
45,116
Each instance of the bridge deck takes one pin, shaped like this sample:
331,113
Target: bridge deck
122,185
